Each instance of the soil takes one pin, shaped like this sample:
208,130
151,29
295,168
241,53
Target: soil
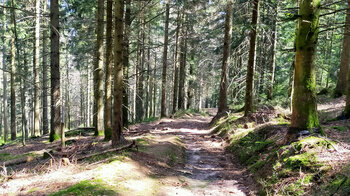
206,170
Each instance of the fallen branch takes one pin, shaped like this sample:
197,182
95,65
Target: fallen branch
133,144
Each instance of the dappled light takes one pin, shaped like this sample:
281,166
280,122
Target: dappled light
174,97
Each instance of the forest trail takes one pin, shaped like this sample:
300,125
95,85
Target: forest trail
208,169
176,156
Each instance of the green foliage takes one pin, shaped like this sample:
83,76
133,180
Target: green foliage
87,187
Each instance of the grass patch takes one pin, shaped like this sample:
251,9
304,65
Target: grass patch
87,187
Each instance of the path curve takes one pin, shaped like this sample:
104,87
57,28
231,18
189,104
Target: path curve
209,170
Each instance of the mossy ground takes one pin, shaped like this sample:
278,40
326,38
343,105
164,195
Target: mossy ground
293,169
87,187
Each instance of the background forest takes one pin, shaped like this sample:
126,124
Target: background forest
195,37
108,67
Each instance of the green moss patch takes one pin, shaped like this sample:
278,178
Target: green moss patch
281,170
87,187
312,142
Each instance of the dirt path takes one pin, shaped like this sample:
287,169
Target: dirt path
208,169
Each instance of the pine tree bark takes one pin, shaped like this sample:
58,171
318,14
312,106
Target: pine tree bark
248,108
165,59
345,58
190,89
108,82
304,107
182,70
36,70
176,67
222,105
4,74
13,74
55,72
45,103
272,67
117,135
139,69
126,63
98,72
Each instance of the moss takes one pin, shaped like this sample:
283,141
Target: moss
256,166
249,147
172,158
294,189
54,137
304,161
340,128
312,142
99,133
88,187
282,121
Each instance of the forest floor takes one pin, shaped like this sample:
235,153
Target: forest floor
174,157
185,156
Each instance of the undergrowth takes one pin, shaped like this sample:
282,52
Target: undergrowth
291,169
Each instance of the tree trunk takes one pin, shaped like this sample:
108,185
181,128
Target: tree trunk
165,60
13,74
345,58
176,67
126,63
222,105
23,106
251,61
36,70
4,75
148,79
154,85
67,121
108,82
55,72
45,53
117,135
182,76
272,67
304,108
190,89
98,72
